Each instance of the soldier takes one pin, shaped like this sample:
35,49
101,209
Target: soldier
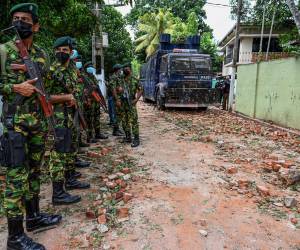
24,132
128,95
92,110
60,85
115,77
72,159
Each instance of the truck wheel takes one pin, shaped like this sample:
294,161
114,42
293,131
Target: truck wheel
160,103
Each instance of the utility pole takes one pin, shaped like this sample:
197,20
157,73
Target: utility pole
235,54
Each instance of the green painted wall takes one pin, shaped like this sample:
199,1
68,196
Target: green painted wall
270,91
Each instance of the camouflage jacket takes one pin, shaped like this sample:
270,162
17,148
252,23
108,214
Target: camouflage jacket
61,80
114,81
8,77
131,85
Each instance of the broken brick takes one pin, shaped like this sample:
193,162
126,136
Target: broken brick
263,191
123,212
125,171
243,183
102,219
231,170
101,211
294,221
93,154
90,214
127,197
111,185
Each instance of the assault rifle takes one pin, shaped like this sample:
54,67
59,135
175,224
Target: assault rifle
95,92
34,73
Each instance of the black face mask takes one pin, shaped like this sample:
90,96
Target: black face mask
126,72
24,29
62,57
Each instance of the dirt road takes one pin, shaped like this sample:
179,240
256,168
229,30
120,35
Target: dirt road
200,180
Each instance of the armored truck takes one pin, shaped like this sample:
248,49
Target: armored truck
179,75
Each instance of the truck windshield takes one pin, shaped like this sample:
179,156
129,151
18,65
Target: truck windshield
189,64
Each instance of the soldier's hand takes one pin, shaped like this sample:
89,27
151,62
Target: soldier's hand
71,103
25,88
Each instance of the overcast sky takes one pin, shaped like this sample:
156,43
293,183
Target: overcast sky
218,17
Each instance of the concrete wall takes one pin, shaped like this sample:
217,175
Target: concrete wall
270,91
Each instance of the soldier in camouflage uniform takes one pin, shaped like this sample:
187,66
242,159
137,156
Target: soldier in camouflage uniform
26,129
113,81
127,95
60,85
75,87
92,107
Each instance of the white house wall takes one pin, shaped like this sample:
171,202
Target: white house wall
245,53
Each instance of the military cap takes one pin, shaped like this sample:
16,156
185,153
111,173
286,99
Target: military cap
87,64
63,41
127,65
31,8
117,66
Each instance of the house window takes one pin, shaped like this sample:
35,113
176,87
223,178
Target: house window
274,45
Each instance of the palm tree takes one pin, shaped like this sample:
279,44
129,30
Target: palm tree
153,25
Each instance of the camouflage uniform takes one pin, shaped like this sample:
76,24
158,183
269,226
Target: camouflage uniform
92,110
77,91
23,182
128,112
60,80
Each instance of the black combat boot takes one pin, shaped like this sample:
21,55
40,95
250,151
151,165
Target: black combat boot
39,221
82,144
17,239
90,138
117,131
61,197
76,174
127,138
99,135
136,141
72,183
81,164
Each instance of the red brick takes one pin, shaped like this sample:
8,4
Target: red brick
127,197
102,219
231,170
263,191
126,171
123,212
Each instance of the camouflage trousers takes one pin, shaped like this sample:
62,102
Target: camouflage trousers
129,119
23,181
92,117
60,162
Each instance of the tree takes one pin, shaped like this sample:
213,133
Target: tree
208,46
120,48
182,29
180,8
295,12
153,25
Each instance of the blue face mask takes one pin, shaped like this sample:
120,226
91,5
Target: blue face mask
74,54
91,70
78,65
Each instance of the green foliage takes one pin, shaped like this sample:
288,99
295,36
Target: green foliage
182,29
152,25
179,8
120,48
75,18
208,46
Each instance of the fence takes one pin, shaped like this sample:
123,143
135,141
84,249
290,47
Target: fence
270,91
